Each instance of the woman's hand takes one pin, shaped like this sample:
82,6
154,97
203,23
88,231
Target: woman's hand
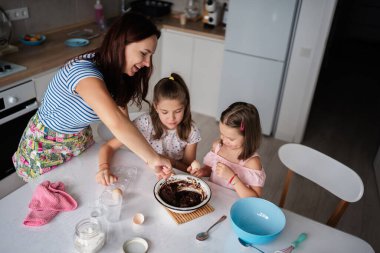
162,167
224,171
105,177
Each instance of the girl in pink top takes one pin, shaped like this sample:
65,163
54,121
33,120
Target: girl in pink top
233,161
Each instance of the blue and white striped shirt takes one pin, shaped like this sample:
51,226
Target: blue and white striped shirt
62,109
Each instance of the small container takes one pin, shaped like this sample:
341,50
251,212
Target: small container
192,9
182,19
135,245
89,236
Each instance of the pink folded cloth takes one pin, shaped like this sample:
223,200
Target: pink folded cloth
48,200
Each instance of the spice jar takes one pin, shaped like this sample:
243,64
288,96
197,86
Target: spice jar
89,236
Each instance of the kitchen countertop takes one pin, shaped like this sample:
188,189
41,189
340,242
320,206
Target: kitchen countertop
54,53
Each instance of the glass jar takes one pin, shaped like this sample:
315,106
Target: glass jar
89,236
192,9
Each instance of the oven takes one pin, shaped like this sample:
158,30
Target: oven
17,105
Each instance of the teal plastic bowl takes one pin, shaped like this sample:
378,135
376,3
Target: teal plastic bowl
256,220
33,43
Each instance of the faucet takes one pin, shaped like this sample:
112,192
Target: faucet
125,6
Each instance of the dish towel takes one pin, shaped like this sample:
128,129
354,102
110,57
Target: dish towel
48,200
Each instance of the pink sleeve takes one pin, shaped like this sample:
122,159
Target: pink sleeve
253,177
209,159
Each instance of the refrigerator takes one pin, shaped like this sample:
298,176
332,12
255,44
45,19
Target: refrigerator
258,35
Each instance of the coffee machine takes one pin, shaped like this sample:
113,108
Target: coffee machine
212,13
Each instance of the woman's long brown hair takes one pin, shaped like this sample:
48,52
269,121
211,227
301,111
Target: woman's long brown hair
110,59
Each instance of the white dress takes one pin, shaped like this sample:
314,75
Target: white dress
169,144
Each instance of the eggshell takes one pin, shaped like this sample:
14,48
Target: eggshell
138,219
195,165
117,193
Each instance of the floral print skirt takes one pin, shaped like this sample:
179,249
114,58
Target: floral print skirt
42,149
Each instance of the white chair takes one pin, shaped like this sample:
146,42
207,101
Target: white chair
323,170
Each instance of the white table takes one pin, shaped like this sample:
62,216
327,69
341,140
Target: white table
159,229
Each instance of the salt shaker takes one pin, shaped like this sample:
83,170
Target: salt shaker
89,236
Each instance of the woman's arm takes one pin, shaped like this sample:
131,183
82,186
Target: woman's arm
189,155
94,92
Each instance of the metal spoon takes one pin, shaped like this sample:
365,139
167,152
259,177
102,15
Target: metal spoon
204,235
247,244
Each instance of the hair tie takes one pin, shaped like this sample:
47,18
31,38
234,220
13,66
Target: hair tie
241,126
171,78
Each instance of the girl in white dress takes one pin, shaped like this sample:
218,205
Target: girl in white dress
168,127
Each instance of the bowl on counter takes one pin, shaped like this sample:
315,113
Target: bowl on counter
152,8
256,220
33,39
182,193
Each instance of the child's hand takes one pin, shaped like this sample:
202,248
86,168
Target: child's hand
190,170
105,177
202,172
194,167
223,171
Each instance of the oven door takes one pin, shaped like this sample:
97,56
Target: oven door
13,121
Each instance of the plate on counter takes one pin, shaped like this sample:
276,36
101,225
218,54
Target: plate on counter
77,42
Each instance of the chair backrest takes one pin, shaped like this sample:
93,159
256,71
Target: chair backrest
323,170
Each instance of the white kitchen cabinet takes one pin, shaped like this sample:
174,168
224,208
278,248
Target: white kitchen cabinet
177,54
198,59
41,82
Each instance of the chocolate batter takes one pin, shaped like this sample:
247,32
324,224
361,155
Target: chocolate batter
175,194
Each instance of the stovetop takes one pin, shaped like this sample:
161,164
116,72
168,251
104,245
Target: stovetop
8,68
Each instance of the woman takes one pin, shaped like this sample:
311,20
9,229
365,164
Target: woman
95,85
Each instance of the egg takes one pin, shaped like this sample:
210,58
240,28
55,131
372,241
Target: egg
117,193
195,165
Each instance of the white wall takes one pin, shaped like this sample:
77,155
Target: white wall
309,44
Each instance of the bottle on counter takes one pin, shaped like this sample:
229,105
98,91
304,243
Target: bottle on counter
99,14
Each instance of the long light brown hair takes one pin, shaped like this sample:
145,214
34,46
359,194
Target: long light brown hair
246,119
173,87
